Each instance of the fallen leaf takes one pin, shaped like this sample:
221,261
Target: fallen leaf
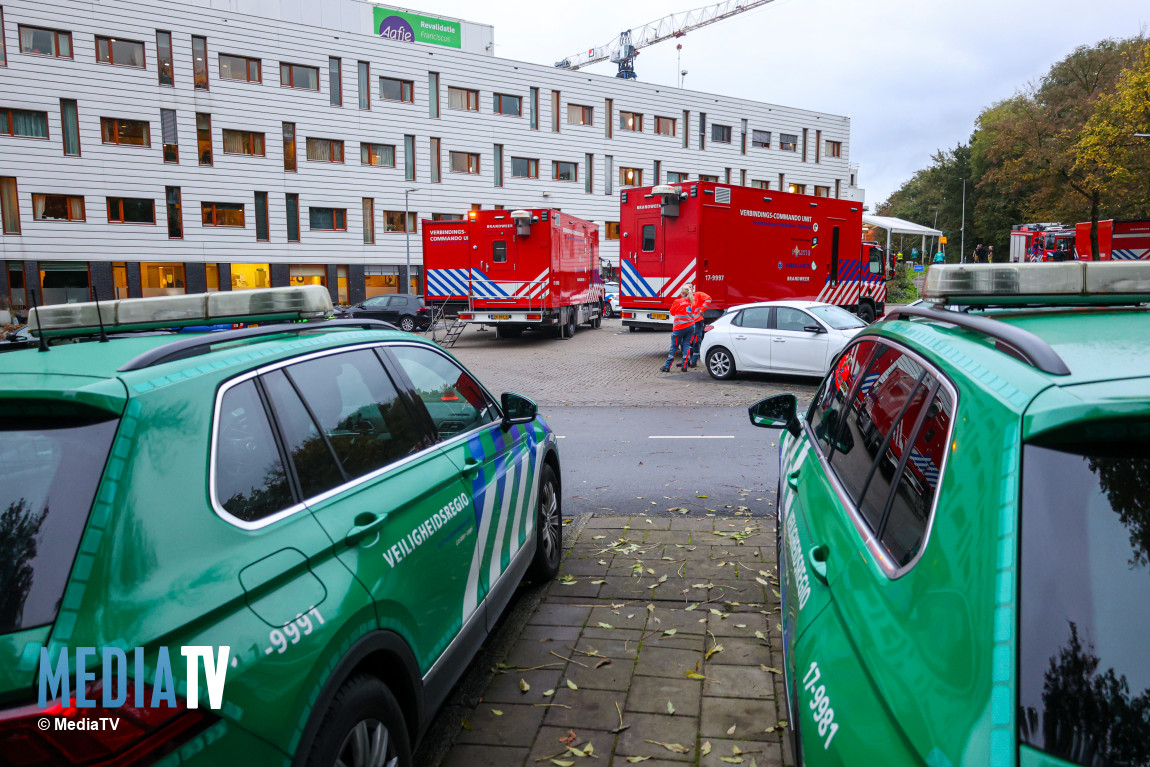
772,669
670,708
597,537
466,723
523,685
571,685
691,607
763,582
603,662
694,675
562,763
603,625
731,759
769,729
569,738
650,608
598,583
637,759
782,723
705,748
740,625
712,651
671,632
548,693
497,712
676,748
760,635
731,730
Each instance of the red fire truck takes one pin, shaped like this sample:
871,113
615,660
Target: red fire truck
1023,237
741,245
516,270
1118,240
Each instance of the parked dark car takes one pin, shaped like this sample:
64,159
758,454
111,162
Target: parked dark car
406,312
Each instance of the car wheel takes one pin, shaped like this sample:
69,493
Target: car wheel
720,364
407,324
866,313
363,727
548,529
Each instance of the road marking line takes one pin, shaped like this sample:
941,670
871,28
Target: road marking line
691,436
560,436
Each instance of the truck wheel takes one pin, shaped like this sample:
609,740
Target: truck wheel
720,364
633,329
508,331
362,727
866,312
597,321
569,325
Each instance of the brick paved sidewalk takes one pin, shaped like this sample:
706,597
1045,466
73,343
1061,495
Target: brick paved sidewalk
649,615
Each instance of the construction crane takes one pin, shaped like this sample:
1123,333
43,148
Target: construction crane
623,49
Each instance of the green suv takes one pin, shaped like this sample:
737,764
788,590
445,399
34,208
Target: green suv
964,527
336,510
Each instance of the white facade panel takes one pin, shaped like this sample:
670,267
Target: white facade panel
299,32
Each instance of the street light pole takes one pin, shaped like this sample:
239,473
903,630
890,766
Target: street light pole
407,233
962,229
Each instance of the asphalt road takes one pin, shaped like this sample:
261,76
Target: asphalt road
631,460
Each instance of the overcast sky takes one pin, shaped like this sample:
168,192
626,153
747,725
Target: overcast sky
911,74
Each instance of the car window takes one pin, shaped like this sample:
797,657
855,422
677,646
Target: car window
315,465
376,301
453,399
787,318
1084,596
837,318
829,406
251,481
49,471
755,317
358,409
397,301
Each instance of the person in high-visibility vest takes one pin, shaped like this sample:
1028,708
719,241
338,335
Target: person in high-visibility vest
682,326
700,301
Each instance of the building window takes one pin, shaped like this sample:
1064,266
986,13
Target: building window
686,127
609,123
789,142
164,62
393,221
611,230
368,221
21,122
299,76
708,178
114,130
464,162
447,216
436,160
797,189
674,177
760,184
658,174
327,219
523,167
497,164
200,62
377,154
57,207
120,53
822,191
262,230
334,81
3,49
743,137
834,149
325,150
222,213
726,175
507,105
240,68
761,138
70,122
204,138
534,97
45,42
289,147
364,85
175,213
630,176
409,158
588,164
291,201
631,121
160,279
9,206
243,142
131,210
665,126
608,174
432,94
721,134
391,89
580,115
702,130
170,135
564,171
462,98
554,111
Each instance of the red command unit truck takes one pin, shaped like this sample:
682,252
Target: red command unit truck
516,270
1023,237
740,245
1118,240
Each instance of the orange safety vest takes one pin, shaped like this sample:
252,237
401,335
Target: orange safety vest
699,303
682,314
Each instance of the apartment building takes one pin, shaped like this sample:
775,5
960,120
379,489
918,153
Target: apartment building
170,147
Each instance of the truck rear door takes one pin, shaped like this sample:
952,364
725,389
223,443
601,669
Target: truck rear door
644,276
498,261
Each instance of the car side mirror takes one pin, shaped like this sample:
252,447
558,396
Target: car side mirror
815,329
777,412
517,409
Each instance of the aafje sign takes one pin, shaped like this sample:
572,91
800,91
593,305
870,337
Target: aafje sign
395,28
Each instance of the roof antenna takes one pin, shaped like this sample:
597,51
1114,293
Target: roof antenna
99,316
43,342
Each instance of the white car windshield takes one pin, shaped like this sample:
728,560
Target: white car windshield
839,319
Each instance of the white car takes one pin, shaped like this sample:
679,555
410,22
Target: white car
612,299
793,337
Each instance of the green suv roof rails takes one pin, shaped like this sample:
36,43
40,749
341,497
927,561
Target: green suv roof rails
1021,343
195,345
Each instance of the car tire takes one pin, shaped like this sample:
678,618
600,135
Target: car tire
363,720
548,528
720,364
866,312
406,323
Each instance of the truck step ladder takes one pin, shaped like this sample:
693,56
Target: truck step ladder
454,331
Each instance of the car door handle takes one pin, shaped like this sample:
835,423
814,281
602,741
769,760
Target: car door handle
793,480
817,556
740,338
780,340
470,468
363,523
